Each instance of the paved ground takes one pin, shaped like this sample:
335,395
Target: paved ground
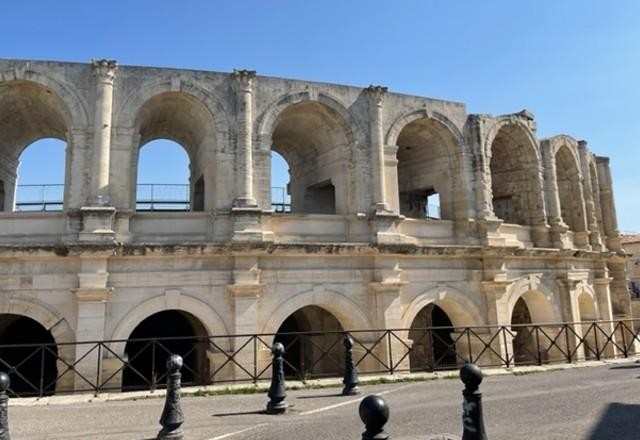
595,403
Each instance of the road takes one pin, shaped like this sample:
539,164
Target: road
595,403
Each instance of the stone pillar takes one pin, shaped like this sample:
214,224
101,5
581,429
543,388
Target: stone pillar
386,294
568,290
539,229
499,315
592,219
243,87
605,309
104,72
554,214
488,223
244,295
376,95
92,295
78,178
388,308
609,218
8,180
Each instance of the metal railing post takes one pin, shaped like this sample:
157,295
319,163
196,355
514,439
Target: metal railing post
503,329
99,369
538,344
390,352
566,341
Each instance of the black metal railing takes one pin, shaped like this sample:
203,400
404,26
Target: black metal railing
99,366
39,197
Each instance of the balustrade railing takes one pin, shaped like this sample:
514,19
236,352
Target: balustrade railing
98,366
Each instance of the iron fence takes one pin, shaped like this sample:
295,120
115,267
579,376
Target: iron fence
114,365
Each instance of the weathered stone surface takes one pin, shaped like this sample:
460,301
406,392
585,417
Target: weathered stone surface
519,217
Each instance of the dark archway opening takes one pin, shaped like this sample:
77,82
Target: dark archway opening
524,346
32,368
312,338
157,337
433,347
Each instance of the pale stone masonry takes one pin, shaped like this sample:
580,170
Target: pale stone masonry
520,217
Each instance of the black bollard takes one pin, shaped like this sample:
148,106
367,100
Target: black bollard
374,413
472,420
350,380
172,418
277,393
4,406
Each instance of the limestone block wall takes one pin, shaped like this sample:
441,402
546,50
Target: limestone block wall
521,218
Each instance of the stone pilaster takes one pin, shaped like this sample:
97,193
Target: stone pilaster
488,223
242,81
376,96
498,313
8,177
92,296
104,71
609,218
592,219
558,227
244,295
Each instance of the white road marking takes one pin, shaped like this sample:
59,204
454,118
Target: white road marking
313,411
231,434
338,405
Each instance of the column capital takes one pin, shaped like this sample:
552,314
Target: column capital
105,70
376,94
243,80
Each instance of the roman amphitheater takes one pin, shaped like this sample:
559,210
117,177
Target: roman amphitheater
525,232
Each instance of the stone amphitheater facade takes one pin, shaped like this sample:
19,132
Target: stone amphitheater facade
521,218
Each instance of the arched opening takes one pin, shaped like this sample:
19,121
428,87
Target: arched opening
314,141
568,179
514,177
432,346
280,179
312,339
163,179
185,133
158,336
588,315
524,343
32,369
40,180
30,112
427,170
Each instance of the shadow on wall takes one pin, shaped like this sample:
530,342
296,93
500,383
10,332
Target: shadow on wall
618,421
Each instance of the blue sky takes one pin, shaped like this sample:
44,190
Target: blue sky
574,64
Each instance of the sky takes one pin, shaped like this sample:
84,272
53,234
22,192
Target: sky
574,64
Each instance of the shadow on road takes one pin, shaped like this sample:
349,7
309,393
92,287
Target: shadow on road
625,366
319,396
618,421
243,413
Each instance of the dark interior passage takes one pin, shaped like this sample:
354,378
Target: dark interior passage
317,351
160,335
524,347
32,369
433,348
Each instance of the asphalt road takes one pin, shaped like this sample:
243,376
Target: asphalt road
594,403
